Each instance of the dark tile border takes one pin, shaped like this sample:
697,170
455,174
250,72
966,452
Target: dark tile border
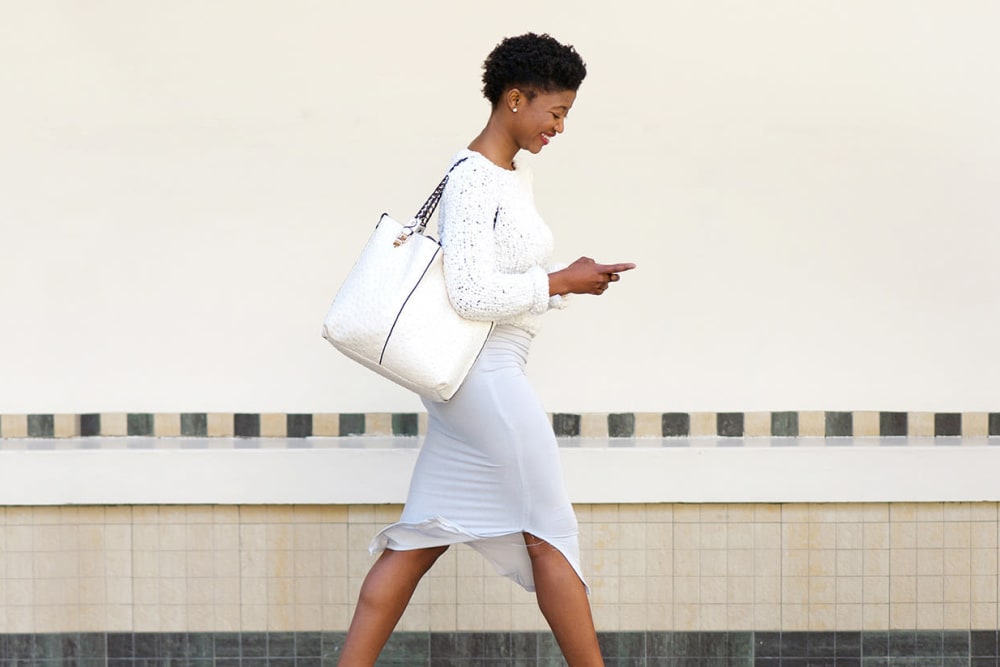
706,649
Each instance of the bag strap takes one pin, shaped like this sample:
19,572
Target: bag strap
423,216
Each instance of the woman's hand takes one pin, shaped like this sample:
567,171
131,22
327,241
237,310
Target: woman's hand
585,276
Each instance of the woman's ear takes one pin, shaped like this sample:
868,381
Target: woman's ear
513,98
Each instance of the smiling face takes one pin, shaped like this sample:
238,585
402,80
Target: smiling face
539,117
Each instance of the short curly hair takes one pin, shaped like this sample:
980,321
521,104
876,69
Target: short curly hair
535,62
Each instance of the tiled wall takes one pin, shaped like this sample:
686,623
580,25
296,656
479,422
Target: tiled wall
597,425
686,567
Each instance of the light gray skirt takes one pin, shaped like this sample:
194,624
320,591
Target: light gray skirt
489,469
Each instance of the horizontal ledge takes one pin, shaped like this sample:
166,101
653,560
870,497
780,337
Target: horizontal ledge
914,473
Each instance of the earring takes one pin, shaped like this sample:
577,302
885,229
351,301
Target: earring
515,109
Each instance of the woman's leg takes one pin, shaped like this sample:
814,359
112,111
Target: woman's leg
384,595
563,601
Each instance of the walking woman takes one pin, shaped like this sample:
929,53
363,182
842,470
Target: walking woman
488,473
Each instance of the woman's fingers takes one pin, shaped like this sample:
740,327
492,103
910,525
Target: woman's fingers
615,268
610,272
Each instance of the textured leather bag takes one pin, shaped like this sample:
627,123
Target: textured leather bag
392,314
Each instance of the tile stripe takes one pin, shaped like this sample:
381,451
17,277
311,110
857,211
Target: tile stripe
780,424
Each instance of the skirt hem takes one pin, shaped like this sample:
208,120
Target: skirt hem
509,557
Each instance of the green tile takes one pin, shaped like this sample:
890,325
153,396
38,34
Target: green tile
729,424
405,423
352,424
893,423
566,425
785,424
41,426
839,424
675,424
139,424
621,425
194,424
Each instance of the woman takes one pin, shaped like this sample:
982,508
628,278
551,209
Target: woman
488,473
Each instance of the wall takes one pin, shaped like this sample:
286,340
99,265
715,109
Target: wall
808,190
818,568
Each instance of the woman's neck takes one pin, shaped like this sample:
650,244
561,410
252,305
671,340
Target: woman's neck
496,145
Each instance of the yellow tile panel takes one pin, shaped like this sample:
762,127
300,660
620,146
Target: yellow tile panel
167,425
594,425
812,424
975,424
273,425
983,615
957,616
930,616
14,426
114,423
822,617
757,424
378,423
648,425
767,617
219,424
703,425
739,617
866,424
326,424
903,616
920,424
66,426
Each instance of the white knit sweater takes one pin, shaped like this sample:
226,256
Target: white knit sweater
496,246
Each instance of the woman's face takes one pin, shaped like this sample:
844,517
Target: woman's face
541,118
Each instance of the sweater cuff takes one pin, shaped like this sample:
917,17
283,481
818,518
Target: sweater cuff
558,301
540,281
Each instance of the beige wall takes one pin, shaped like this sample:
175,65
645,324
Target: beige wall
872,566
809,192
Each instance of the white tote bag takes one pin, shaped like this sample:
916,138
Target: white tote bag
392,314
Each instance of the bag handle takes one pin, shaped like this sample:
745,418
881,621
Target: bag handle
419,222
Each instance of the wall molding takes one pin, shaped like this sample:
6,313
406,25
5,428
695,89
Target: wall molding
661,473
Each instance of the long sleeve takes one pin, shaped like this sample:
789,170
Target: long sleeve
486,277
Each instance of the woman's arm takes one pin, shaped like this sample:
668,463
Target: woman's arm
476,288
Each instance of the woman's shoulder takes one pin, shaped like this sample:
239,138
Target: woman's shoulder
471,165
469,169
